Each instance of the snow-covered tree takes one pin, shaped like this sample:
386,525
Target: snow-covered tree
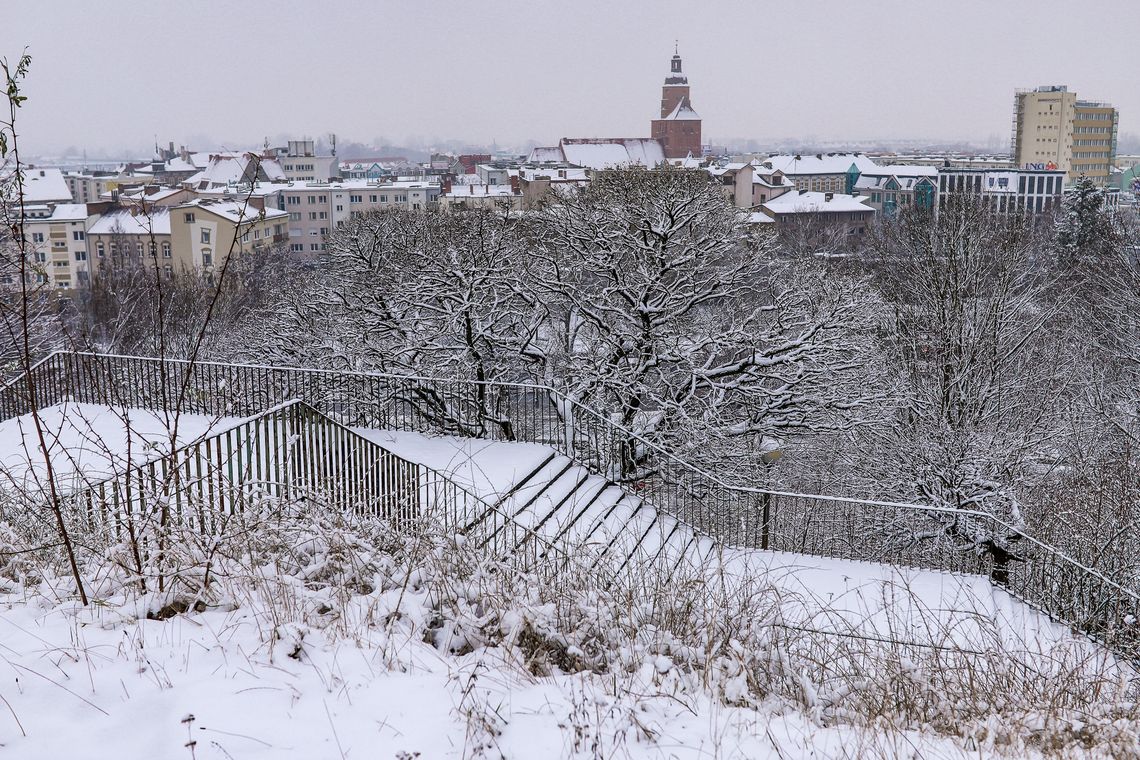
659,311
1087,229
979,378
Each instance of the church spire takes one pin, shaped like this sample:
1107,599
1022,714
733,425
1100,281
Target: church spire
676,75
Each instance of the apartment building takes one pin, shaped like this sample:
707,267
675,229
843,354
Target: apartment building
300,162
850,214
129,236
203,232
821,172
315,209
57,238
1053,129
93,186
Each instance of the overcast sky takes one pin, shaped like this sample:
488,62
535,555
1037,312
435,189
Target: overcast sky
113,75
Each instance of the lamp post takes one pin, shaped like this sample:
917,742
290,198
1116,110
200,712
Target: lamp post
770,453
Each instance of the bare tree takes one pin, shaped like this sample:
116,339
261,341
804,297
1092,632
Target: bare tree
978,374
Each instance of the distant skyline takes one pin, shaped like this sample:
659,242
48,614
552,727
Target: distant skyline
114,77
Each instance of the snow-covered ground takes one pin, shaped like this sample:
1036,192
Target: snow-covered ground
90,442
103,683
767,655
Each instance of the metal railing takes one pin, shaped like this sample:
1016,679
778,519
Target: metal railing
894,533
289,453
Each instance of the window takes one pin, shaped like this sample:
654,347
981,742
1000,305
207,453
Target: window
356,199
324,230
165,249
207,257
168,271
99,249
314,246
312,216
296,247
189,217
339,207
372,198
59,264
205,236
292,200
312,199
323,215
37,237
81,255
78,235
294,216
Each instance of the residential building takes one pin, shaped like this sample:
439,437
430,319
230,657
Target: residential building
1053,129
367,168
228,170
1032,191
315,209
822,172
301,162
480,195
679,127
130,236
92,187
749,184
849,213
57,238
204,232
894,187
44,186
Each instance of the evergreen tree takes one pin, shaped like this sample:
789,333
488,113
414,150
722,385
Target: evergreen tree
1086,228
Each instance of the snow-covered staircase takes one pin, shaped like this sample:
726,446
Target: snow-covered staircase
552,498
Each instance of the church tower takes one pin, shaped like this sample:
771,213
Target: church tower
679,128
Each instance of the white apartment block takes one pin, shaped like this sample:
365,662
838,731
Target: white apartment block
57,239
317,208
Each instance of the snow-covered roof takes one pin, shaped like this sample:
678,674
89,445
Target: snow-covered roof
234,211
480,190
613,153
42,185
122,222
821,163
811,202
545,155
226,170
69,212
683,111
759,217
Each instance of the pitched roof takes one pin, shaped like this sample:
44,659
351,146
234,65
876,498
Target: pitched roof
611,153
821,163
811,202
122,222
683,111
42,185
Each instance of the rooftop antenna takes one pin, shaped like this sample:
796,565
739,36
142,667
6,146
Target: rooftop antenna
676,47
332,142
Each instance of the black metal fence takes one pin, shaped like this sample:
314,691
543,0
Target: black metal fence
899,534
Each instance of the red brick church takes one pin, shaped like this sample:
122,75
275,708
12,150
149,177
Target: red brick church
679,128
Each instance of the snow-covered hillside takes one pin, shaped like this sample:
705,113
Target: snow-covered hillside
302,633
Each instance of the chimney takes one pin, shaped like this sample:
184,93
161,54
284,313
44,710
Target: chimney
827,197
445,184
470,189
